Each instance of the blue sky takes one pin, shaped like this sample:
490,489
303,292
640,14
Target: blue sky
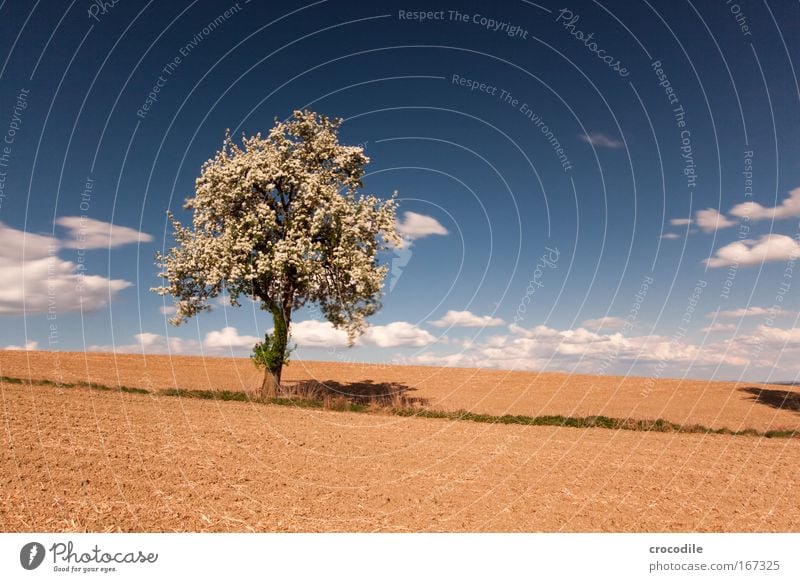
652,145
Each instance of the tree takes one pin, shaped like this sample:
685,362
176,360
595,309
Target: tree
281,220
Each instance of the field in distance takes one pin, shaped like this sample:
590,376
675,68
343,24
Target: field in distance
736,406
78,459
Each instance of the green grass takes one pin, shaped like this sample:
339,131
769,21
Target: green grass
343,405
298,402
130,390
204,394
658,425
339,406
9,380
92,385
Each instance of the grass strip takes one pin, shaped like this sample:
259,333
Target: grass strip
92,385
658,425
205,394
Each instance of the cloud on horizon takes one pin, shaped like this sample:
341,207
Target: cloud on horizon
580,350
540,348
322,334
455,318
228,338
718,327
305,334
31,345
749,312
607,322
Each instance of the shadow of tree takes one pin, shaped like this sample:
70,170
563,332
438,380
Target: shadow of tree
783,399
365,392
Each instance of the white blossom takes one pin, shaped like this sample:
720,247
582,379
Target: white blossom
281,219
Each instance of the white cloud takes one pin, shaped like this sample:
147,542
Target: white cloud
717,327
710,220
769,248
307,334
228,338
318,334
152,343
88,233
767,350
789,208
540,348
749,312
775,349
496,341
215,342
148,339
584,351
14,243
670,236
167,310
540,331
587,351
414,226
322,334
397,334
155,343
600,140
776,335
33,279
605,323
466,319
28,346
461,359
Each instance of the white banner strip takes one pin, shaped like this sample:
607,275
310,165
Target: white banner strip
401,557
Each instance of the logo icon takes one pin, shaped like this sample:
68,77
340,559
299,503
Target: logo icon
32,555
400,258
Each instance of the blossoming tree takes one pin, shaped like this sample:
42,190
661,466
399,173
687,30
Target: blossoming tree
281,220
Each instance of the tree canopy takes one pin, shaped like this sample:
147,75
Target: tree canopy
281,219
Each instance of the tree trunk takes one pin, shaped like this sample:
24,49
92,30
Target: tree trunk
281,315
269,387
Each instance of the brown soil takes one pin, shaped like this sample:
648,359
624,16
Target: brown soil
74,459
712,404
